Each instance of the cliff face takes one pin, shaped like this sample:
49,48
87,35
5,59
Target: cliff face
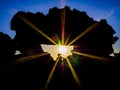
95,37
7,49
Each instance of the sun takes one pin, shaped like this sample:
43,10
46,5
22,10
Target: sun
54,50
62,49
65,50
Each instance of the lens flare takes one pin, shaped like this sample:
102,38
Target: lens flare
91,56
24,59
85,32
36,28
75,76
57,49
51,74
62,49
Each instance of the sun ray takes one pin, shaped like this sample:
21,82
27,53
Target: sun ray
51,74
58,40
35,28
67,39
63,24
73,72
24,59
91,56
85,32
63,67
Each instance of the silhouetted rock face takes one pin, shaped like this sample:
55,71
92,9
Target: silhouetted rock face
7,49
33,68
30,74
97,40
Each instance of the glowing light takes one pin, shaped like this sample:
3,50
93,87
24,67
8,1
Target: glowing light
73,72
85,32
51,74
35,28
67,39
17,52
91,56
62,49
63,25
54,50
24,59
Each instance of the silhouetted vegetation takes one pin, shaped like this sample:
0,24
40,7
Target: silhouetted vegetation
32,72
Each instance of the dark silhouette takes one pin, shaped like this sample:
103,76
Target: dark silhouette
93,73
26,37
97,41
7,48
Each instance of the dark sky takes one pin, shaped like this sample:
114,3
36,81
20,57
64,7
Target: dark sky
97,9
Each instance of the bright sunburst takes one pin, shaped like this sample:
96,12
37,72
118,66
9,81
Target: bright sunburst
54,50
62,49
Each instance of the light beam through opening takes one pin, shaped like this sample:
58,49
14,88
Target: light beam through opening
73,72
35,28
51,74
91,56
26,58
57,49
85,32
62,49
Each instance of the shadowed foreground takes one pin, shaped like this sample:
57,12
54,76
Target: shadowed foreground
33,74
